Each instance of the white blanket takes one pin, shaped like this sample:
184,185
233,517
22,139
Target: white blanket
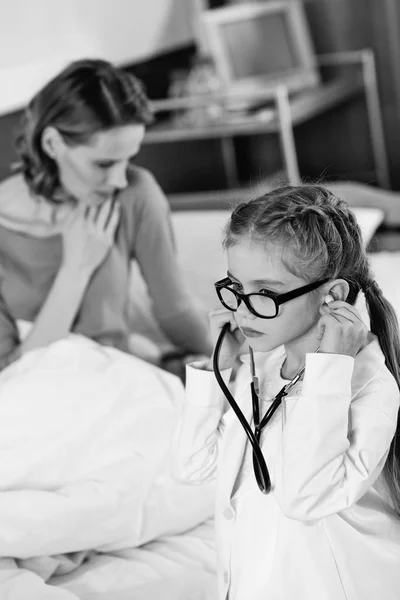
84,437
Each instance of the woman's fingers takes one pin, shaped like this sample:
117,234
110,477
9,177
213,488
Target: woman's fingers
101,215
113,219
89,213
104,218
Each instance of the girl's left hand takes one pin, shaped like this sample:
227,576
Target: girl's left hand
341,329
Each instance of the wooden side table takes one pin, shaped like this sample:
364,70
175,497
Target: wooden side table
280,116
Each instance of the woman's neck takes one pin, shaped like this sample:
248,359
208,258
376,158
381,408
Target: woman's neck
22,211
50,216
296,353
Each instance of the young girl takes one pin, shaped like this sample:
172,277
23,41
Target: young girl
310,509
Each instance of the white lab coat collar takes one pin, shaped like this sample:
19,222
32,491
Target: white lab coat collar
368,362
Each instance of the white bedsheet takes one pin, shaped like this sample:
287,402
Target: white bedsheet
84,438
180,567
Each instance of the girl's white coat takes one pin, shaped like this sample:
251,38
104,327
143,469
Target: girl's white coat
326,531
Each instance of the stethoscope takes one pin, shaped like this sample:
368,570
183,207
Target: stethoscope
259,463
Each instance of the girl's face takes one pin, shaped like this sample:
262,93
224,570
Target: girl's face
93,172
253,268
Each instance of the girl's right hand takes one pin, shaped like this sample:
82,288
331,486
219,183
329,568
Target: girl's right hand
88,235
233,339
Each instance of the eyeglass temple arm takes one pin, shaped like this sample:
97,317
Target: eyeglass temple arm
223,282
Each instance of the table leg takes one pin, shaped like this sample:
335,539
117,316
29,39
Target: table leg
229,160
375,118
286,136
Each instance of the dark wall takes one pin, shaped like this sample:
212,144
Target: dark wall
340,25
335,145
8,127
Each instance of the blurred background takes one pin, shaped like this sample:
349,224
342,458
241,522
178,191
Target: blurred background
163,43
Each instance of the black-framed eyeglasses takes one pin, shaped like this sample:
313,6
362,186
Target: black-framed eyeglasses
264,305
259,464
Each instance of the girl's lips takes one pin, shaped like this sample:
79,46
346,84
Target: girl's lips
251,332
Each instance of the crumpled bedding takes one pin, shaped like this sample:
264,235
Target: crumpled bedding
180,567
85,469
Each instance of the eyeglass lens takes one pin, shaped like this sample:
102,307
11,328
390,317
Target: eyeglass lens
263,305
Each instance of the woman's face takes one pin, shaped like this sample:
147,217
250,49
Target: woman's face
94,171
254,267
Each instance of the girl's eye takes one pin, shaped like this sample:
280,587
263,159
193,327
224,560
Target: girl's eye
267,292
236,286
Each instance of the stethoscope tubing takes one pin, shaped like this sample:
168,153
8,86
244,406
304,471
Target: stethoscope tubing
251,437
258,456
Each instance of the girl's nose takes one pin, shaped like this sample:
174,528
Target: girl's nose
243,311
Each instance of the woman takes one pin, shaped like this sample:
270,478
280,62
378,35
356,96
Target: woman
79,211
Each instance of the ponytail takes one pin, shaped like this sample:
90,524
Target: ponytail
384,324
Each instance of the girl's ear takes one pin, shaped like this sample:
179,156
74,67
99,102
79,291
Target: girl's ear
52,142
338,290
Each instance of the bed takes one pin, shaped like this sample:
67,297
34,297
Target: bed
172,568
90,507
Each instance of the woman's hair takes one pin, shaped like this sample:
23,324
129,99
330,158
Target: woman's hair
320,239
87,97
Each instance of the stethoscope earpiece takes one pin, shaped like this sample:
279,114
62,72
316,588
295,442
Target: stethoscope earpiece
329,299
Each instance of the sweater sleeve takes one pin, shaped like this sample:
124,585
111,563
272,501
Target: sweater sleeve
9,338
333,448
154,248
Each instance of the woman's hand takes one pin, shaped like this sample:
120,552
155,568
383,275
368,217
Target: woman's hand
233,339
341,329
88,235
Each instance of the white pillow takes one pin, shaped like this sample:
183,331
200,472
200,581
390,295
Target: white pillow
386,266
369,219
